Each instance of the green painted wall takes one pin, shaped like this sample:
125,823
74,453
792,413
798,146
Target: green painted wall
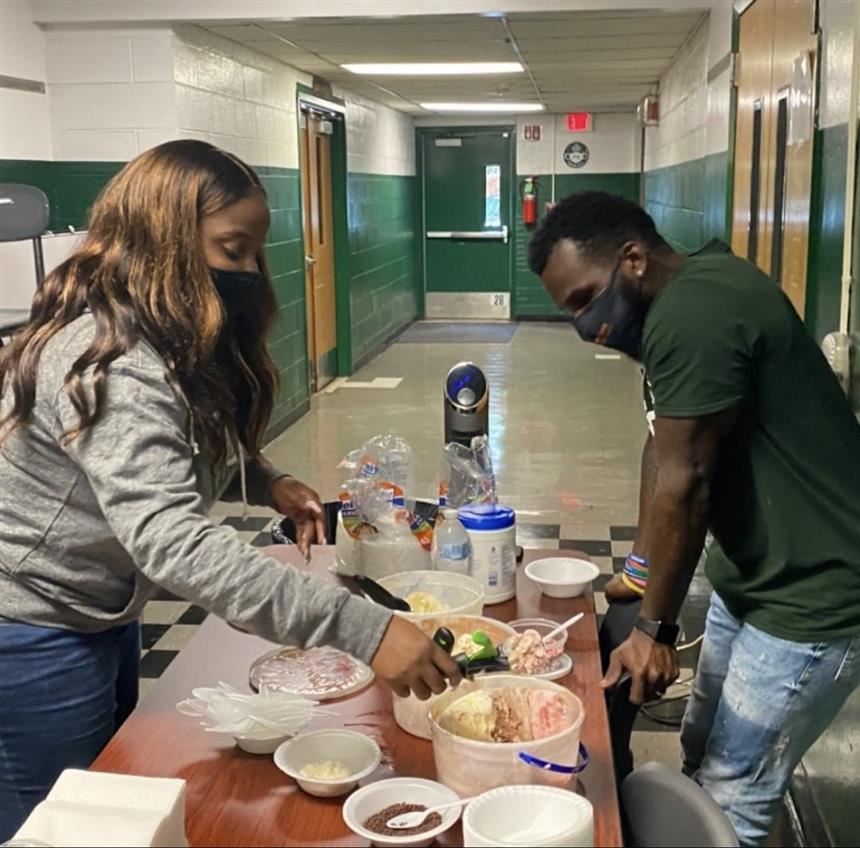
384,284
71,188
285,255
530,297
826,226
688,201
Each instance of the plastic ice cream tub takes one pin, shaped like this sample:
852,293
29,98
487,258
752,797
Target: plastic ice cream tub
458,594
470,767
411,714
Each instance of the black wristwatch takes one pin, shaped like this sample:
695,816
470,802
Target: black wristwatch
660,631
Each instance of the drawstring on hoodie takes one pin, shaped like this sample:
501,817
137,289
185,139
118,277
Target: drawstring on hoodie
195,447
243,479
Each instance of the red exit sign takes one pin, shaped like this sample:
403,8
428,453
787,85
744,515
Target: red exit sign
579,121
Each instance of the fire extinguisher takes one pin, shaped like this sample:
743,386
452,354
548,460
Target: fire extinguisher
529,198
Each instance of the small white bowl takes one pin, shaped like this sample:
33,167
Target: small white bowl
254,745
358,752
528,815
375,797
562,577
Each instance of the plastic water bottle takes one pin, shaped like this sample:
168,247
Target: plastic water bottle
451,548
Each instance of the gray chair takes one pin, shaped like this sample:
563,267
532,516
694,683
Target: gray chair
24,214
663,808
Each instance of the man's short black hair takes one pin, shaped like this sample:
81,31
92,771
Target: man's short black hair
597,221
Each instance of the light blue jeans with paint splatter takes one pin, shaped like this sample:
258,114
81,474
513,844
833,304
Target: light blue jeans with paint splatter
758,703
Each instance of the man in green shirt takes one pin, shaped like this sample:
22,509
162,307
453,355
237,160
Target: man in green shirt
753,440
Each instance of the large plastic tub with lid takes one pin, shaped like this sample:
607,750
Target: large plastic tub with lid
411,714
458,594
470,767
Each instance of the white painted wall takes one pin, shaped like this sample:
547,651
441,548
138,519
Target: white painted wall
613,145
680,135
111,92
18,273
379,140
717,128
236,98
837,22
25,128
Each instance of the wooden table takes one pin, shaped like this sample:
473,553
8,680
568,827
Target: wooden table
238,799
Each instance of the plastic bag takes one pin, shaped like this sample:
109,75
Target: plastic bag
387,536
467,474
387,460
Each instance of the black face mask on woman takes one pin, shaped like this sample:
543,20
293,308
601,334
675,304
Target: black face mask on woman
238,290
622,311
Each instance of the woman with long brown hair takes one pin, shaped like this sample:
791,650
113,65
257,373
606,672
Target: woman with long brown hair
139,394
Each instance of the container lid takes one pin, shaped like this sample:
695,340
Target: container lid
487,517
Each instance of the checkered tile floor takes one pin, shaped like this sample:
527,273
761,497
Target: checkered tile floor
169,622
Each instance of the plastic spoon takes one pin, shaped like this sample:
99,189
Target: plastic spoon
409,820
563,626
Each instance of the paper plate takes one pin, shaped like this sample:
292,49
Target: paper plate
318,673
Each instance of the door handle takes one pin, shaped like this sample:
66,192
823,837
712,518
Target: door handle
478,235
310,262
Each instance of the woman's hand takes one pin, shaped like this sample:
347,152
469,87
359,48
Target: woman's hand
301,504
408,661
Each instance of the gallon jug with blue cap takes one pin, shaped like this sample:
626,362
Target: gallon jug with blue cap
492,530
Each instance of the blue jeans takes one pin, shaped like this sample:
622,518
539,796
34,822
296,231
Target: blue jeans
758,704
62,697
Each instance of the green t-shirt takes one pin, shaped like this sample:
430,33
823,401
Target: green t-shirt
785,494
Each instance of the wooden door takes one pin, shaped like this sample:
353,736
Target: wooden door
319,247
751,231
794,60
773,141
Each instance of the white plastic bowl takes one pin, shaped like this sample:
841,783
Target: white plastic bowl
460,594
254,745
374,797
562,577
358,752
529,815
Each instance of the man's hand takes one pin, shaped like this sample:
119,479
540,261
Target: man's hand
407,660
653,667
618,592
302,504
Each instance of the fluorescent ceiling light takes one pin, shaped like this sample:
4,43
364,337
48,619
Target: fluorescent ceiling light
434,69
493,106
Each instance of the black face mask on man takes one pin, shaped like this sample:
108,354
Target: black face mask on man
621,311
238,290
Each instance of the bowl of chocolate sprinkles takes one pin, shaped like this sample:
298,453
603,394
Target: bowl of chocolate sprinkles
368,811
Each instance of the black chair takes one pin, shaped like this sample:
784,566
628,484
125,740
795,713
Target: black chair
663,808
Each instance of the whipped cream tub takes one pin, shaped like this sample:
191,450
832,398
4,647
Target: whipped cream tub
471,767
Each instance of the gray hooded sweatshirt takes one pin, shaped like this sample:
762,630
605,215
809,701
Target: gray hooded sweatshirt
89,528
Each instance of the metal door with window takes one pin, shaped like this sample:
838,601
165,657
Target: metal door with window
466,211
319,246
773,140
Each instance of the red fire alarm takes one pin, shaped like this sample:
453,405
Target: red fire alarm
579,121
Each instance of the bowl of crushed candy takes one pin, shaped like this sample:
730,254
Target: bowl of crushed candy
366,811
